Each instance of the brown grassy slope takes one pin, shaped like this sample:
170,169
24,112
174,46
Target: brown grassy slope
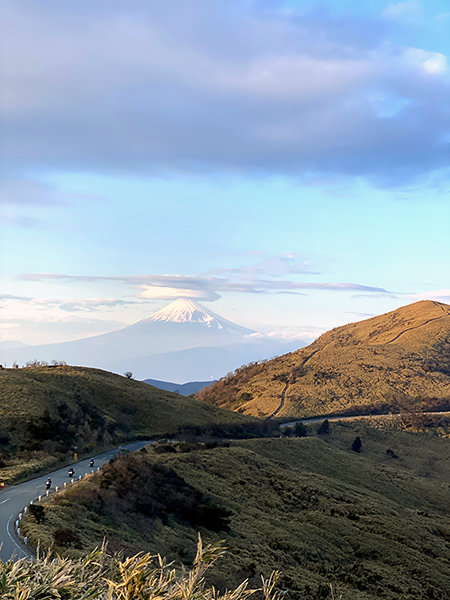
45,411
396,361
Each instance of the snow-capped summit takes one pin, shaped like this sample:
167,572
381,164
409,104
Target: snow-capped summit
191,312
182,341
186,311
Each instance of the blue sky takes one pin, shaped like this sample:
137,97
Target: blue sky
286,163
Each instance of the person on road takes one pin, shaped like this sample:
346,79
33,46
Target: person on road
71,472
48,484
91,463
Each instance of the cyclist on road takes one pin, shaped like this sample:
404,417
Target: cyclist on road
91,463
48,484
71,472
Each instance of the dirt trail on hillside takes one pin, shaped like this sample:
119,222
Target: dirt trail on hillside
283,393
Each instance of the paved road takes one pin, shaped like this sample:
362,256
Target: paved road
354,418
13,499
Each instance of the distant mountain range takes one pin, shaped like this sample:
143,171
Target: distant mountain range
398,361
185,389
181,342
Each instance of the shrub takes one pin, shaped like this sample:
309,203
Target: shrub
67,537
357,444
38,512
325,428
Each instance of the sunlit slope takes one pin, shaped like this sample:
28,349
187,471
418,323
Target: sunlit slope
121,406
396,361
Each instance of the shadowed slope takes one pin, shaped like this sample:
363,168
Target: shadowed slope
47,412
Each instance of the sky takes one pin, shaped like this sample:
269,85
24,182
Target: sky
285,163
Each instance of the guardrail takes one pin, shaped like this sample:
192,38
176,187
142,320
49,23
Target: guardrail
57,489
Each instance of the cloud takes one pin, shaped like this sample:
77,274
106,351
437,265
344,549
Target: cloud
209,286
171,293
439,295
402,10
4,297
273,266
27,192
69,305
216,86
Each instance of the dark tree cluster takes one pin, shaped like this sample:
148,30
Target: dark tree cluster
64,426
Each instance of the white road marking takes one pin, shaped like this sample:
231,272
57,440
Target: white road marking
12,539
5,500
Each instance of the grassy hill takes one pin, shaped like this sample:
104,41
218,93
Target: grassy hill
373,524
46,411
393,362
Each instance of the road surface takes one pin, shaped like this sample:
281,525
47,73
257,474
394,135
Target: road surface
13,499
355,418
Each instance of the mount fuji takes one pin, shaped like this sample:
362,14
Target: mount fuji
183,341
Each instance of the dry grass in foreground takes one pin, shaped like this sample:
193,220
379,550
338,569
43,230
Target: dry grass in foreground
141,577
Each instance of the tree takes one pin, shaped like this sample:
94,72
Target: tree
325,428
128,374
357,444
300,430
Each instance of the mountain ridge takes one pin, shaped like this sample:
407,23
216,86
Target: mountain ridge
393,362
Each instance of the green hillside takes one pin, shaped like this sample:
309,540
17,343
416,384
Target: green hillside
396,362
374,524
46,411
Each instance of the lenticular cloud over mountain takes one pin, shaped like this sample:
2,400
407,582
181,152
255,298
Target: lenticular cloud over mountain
183,341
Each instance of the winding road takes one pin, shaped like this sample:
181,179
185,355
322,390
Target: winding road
13,499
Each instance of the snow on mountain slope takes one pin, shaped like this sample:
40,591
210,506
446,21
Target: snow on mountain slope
181,325
188,311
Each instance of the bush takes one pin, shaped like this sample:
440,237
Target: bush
357,444
38,512
325,428
133,484
67,537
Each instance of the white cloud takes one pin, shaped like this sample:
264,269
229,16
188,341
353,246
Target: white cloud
400,10
171,293
433,63
439,295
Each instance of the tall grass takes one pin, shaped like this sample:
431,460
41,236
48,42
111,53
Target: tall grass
102,577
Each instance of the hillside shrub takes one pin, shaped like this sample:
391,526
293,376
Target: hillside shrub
38,512
325,428
67,537
231,431
132,484
357,444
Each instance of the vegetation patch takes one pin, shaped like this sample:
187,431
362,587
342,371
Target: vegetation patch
48,412
370,525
